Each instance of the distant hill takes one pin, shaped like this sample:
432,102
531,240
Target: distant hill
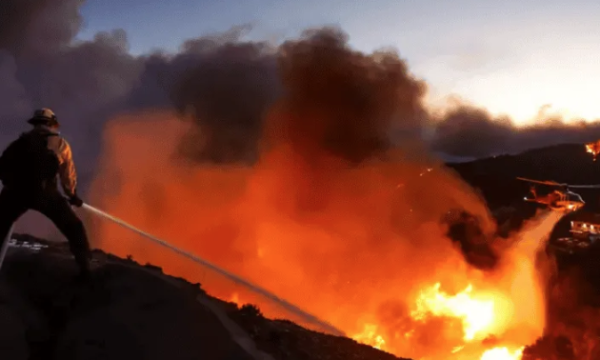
566,163
573,303
495,178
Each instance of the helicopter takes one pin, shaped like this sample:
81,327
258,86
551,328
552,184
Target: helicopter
562,199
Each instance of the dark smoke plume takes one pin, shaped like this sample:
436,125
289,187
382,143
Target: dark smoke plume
343,100
221,83
38,27
42,65
226,84
473,132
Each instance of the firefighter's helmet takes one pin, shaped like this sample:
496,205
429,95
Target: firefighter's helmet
44,116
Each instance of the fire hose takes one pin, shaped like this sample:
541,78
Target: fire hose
5,245
237,279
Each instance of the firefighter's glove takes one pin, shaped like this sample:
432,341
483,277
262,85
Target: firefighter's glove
76,201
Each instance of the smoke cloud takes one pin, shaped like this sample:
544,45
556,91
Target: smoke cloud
225,85
291,173
331,216
238,98
469,131
31,28
344,101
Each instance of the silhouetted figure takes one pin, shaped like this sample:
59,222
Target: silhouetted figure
29,168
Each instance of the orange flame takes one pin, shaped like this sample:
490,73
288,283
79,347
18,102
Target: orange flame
502,353
344,243
235,298
593,148
478,313
482,315
370,337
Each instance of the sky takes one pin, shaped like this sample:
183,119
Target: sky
512,57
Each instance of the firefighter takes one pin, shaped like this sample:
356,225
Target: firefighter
29,168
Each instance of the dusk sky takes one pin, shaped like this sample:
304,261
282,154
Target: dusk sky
512,57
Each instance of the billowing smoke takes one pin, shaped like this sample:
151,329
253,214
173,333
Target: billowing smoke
344,101
297,180
225,85
42,65
32,28
221,84
331,216
488,135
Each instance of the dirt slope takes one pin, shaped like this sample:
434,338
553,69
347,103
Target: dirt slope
135,312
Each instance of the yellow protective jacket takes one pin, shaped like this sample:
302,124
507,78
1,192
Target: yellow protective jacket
67,172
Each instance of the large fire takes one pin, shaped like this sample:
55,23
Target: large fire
345,244
478,313
481,316
485,318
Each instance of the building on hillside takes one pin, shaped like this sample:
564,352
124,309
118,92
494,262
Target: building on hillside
586,225
584,232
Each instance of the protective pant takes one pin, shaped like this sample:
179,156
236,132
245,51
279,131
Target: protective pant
14,203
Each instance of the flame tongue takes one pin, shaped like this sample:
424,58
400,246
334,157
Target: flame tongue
593,148
370,337
481,314
477,314
502,353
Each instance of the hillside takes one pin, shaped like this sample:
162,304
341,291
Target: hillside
495,179
495,176
131,312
